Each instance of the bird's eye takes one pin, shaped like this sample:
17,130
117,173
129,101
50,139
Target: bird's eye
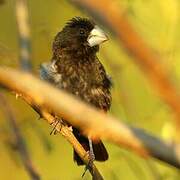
81,31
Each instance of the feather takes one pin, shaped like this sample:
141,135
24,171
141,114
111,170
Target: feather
78,21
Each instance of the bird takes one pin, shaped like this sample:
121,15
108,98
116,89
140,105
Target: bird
75,68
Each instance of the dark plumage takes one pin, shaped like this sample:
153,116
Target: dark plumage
75,68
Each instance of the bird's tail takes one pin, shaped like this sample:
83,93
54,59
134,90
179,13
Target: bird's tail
99,149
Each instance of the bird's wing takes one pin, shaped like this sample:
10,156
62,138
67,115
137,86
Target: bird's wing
107,80
48,72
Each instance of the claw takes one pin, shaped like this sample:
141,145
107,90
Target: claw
90,163
70,128
54,124
85,170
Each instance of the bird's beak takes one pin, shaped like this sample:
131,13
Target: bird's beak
96,37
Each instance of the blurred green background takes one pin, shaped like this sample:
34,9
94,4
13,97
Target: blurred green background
134,99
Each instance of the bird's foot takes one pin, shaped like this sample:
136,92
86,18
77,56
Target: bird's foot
54,124
61,124
91,157
91,153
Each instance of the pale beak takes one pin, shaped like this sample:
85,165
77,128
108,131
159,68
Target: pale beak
96,37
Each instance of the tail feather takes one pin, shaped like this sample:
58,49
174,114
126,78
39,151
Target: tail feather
100,152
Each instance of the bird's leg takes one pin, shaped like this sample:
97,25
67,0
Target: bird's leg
91,152
55,123
91,157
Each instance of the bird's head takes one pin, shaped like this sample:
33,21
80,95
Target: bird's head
80,34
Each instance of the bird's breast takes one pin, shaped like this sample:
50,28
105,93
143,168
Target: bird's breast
86,82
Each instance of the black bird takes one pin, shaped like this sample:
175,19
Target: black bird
75,68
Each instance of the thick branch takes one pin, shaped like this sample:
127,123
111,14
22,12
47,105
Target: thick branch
119,25
86,118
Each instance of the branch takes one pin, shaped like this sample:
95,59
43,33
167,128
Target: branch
22,19
144,57
90,121
22,149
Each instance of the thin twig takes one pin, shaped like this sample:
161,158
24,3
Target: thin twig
22,19
93,123
21,146
144,57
